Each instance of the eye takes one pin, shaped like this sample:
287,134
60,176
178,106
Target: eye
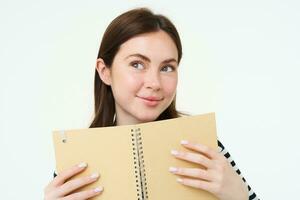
137,65
168,68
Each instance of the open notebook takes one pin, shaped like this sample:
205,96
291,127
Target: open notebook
133,160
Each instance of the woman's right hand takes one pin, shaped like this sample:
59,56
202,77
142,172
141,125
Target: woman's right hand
61,188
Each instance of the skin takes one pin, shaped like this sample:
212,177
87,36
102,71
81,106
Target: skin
132,78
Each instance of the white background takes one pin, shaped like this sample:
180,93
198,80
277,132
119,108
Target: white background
240,60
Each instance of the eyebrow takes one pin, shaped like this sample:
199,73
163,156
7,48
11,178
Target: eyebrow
148,59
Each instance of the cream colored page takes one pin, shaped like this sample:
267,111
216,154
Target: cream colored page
107,151
159,139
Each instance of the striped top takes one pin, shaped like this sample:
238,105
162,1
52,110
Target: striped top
223,150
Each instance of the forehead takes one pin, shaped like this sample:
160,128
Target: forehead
156,45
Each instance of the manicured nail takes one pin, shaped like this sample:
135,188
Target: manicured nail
82,165
179,180
98,189
94,175
173,169
184,142
174,152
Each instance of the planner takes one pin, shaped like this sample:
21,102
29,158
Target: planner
133,160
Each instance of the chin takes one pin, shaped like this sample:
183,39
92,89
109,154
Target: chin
147,118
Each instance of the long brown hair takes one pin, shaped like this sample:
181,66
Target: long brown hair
121,29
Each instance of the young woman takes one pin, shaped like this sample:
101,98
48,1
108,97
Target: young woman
135,81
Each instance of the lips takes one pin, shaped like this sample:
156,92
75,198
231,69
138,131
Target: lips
151,101
151,98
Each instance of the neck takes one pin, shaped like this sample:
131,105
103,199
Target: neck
126,121
123,118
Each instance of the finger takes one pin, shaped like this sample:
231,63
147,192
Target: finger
206,150
66,174
192,172
194,158
75,184
84,194
196,183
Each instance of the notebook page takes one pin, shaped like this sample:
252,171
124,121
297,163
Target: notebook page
158,139
107,151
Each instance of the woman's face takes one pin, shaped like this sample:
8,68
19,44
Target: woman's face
143,77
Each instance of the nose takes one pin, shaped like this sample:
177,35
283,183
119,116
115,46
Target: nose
152,80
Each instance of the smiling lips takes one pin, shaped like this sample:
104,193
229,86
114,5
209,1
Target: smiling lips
151,100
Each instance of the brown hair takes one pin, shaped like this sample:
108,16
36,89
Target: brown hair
121,29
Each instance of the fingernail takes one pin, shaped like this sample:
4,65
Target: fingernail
179,180
184,142
98,189
173,169
174,152
82,165
94,175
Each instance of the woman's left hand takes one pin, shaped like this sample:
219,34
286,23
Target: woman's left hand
218,177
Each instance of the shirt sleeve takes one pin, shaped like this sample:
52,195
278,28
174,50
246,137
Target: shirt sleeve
225,153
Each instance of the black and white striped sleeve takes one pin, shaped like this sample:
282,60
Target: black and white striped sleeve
223,150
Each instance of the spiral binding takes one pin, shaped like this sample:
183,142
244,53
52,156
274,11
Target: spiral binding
139,164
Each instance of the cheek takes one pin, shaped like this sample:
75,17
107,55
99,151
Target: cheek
169,85
130,82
